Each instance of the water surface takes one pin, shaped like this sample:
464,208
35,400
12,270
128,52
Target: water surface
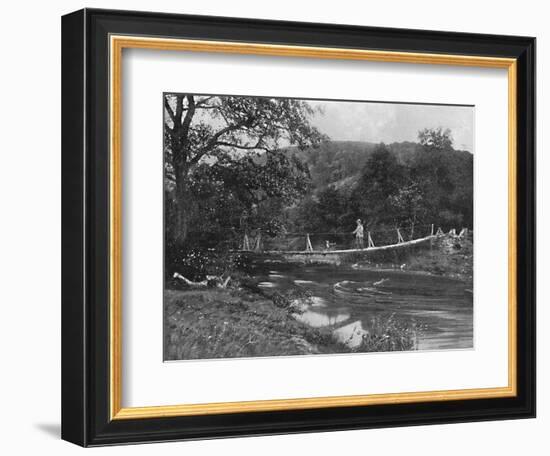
351,301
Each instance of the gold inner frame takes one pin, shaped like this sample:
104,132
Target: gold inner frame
117,44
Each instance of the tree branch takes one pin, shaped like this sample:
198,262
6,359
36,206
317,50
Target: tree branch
188,115
169,110
214,140
180,131
198,106
244,147
203,101
179,110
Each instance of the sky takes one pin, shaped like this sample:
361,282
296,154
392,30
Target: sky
392,122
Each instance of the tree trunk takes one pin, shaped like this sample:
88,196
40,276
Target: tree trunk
185,205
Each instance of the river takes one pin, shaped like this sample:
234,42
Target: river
351,302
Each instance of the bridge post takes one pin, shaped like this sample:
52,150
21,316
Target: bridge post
370,242
246,243
258,243
432,232
399,237
309,248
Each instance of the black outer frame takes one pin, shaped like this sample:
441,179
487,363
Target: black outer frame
85,227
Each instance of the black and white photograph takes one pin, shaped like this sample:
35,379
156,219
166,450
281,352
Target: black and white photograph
304,227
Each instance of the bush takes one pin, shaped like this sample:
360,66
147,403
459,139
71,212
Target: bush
387,334
195,263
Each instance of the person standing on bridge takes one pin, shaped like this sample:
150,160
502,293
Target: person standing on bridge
359,235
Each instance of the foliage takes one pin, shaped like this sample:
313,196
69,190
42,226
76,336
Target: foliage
387,334
328,208
402,185
254,165
381,178
236,195
408,205
230,132
195,263
436,138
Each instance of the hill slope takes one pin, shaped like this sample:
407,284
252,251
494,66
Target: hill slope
340,163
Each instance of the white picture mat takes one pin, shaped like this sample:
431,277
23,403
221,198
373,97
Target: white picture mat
149,381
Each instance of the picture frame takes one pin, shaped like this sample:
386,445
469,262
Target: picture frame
92,173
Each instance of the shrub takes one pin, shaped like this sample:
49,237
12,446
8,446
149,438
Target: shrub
387,334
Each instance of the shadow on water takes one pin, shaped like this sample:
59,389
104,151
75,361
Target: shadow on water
351,301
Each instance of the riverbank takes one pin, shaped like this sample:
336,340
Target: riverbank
269,312
447,257
237,322
234,323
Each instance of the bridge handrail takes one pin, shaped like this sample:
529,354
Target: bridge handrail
308,247
334,233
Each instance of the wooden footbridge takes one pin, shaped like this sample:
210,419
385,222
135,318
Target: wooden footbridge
329,253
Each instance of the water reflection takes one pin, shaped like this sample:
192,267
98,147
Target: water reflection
351,335
320,319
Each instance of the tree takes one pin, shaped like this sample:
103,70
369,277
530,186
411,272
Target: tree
247,192
329,209
199,129
408,205
381,178
436,144
434,170
436,138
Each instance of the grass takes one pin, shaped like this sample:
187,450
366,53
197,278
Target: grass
386,334
229,323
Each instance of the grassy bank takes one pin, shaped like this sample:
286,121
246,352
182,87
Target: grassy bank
231,323
214,323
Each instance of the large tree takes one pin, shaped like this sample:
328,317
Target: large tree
199,129
435,170
436,145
